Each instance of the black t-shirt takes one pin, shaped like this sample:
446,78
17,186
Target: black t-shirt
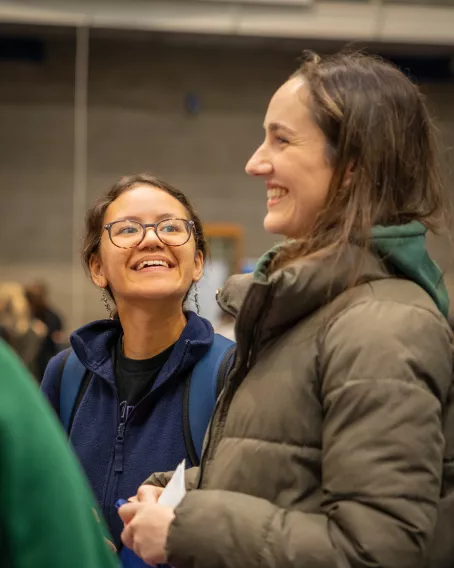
134,377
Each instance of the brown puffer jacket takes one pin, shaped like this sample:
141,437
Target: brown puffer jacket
326,448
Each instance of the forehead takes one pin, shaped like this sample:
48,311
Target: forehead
289,103
145,202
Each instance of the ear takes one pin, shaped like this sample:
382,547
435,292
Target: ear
97,272
198,266
348,174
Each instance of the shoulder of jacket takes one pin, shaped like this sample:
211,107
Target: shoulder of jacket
383,309
390,308
384,295
402,291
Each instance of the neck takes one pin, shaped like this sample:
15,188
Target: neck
148,332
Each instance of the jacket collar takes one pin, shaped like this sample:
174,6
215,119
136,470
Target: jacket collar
93,344
293,292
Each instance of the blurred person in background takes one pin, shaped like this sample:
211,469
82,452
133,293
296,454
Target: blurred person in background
145,249
47,508
38,297
24,333
333,440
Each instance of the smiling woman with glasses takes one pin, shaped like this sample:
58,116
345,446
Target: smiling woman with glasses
144,248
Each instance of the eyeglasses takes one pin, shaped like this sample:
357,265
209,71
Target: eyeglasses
171,232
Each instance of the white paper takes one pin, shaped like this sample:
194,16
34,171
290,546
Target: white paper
175,490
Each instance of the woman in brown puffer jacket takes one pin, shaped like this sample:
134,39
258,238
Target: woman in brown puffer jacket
329,446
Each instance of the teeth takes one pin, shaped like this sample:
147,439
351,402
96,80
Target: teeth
276,192
152,263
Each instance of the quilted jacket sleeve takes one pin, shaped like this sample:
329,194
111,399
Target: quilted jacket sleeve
386,371
161,479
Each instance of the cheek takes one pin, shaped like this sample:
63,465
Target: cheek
312,177
186,262
311,191
114,263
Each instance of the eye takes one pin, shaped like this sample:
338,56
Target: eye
280,140
174,226
125,228
128,230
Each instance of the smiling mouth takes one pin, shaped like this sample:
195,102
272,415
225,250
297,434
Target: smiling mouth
275,194
147,265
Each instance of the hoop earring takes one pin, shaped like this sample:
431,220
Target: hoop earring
105,301
196,298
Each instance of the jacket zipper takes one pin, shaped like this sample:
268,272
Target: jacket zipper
238,374
120,437
111,476
118,456
118,451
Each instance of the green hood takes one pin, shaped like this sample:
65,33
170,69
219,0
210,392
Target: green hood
403,247
261,268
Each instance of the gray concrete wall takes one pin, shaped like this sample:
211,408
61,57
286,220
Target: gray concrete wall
137,122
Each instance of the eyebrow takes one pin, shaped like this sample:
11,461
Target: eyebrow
274,126
157,218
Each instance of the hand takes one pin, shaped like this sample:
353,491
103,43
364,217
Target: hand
147,528
147,493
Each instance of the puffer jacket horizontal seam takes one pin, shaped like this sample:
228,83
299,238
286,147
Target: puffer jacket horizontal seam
413,383
278,443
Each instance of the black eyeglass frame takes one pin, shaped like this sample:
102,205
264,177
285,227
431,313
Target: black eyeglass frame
190,228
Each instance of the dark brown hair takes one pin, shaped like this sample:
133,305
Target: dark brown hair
381,143
94,220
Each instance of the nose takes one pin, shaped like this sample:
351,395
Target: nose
151,239
259,163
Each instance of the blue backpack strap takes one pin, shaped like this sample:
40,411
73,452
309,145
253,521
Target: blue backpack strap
71,380
206,382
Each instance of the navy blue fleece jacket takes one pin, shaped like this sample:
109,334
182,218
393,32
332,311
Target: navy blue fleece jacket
153,432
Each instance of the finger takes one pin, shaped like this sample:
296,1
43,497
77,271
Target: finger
149,493
127,536
127,512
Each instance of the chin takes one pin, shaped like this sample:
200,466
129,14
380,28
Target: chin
274,225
